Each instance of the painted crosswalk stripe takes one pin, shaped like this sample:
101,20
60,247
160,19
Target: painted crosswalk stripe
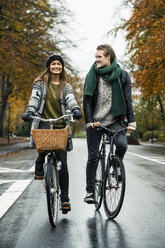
11,195
31,169
9,170
144,157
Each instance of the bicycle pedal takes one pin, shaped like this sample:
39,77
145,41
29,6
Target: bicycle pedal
114,186
38,177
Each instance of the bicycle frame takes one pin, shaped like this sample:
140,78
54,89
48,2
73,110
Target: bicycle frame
110,155
111,188
53,167
102,152
51,159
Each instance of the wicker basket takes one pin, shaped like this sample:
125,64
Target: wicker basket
50,139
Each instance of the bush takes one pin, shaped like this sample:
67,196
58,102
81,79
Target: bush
161,137
80,135
151,134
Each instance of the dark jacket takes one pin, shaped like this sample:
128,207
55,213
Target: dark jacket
89,101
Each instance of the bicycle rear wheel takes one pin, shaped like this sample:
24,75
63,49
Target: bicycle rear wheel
114,187
52,193
99,184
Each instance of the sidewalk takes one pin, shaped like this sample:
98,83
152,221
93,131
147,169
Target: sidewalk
6,150
152,144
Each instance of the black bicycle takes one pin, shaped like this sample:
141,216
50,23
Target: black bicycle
110,176
52,168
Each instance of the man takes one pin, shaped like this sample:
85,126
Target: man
107,101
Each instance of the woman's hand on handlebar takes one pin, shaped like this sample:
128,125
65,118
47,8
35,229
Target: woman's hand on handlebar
77,114
27,116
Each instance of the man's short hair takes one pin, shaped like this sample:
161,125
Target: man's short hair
108,50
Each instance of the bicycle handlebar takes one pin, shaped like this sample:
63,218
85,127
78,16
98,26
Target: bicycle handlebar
68,114
110,130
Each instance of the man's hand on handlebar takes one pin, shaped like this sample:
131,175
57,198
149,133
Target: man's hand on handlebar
130,129
94,124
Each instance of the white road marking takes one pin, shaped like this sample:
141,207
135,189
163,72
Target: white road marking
17,162
150,159
31,169
6,181
11,195
8,170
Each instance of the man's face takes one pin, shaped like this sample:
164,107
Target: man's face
101,59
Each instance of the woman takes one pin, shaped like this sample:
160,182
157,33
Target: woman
49,99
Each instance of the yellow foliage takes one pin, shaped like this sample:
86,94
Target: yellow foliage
146,40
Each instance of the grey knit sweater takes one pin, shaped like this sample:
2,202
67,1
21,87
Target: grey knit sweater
37,101
102,111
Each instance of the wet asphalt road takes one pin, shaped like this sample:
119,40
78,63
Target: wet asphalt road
141,222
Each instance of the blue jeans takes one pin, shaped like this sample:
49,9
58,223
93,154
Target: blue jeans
93,142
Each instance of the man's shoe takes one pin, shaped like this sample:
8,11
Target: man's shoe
39,172
65,207
90,198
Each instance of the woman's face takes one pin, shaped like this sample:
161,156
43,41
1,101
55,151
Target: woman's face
56,67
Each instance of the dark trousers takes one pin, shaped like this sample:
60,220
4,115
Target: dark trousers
93,142
63,173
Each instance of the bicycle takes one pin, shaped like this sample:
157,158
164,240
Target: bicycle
52,168
110,176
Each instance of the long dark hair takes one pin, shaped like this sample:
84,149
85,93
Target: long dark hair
46,77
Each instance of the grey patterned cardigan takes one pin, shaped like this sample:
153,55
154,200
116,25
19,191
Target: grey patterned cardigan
37,101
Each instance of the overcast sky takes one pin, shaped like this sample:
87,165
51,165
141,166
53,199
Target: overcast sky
91,21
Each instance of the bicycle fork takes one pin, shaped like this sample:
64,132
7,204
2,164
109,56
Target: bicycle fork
53,162
114,173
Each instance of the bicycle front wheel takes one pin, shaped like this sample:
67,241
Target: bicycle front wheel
99,184
52,193
114,187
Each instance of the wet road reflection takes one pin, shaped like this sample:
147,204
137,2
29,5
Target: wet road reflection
105,233
139,224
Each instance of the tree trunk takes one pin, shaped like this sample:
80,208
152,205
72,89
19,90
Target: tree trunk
161,110
6,89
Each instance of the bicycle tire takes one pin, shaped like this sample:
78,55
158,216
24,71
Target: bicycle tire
114,187
52,193
99,184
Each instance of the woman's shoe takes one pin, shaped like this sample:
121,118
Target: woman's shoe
65,207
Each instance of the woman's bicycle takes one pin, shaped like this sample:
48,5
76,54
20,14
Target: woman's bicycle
52,165
110,176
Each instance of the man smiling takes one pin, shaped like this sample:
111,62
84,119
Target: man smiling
107,101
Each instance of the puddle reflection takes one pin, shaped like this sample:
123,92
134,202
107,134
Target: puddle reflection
105,233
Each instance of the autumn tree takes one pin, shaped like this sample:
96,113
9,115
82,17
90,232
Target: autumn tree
25,43
146,47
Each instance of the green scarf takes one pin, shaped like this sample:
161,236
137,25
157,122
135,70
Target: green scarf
109,74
